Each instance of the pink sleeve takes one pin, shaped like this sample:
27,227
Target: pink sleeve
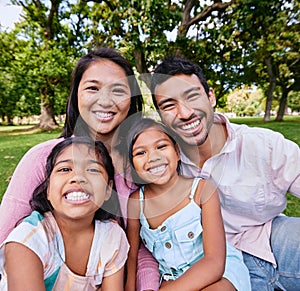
147,274
28,174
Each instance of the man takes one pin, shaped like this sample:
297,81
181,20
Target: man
253,169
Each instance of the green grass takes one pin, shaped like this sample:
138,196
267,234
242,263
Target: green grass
15,141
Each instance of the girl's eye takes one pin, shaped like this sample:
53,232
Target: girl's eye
162,146
140,153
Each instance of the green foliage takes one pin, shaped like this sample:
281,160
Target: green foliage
245,101
294,101
230,40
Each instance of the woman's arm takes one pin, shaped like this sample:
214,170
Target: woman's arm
24,268
147,271
210,268
133,236
28,174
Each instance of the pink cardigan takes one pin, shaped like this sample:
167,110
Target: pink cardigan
28,175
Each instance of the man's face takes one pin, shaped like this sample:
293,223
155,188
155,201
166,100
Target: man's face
185,107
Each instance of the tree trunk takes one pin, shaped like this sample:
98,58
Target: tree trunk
282,105
47,118
271,88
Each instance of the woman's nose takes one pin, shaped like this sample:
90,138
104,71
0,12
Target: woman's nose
104,98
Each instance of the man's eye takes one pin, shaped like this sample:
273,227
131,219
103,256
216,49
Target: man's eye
167,106
193,96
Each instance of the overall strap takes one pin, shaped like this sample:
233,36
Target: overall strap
194,187
141,192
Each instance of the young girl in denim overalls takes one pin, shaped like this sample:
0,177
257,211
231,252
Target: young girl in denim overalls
177,218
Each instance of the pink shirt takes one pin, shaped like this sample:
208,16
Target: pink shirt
253,172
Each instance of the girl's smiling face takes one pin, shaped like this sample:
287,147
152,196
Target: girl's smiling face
155,157
78,184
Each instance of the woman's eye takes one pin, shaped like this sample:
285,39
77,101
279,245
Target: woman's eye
92,88
64,169
94,170
119,91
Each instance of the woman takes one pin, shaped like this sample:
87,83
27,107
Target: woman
98,75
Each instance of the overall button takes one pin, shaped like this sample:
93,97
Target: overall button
191,235
168,245
163,228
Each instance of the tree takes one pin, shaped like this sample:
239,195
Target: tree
48,55
235,42
268,31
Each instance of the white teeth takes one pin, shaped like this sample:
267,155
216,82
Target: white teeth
76,196
104,114
191,125
157,169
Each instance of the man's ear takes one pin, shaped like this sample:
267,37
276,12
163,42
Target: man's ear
212,97
109,189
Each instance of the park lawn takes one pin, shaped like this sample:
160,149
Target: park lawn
16,141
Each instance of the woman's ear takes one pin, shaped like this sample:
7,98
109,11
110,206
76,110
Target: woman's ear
109,189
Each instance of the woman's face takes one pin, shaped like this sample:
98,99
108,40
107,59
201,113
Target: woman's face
103,97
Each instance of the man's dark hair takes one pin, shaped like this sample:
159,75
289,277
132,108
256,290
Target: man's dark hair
174,65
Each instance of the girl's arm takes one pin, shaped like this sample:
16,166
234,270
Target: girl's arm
24,268
210,268
114,282
133,236
28,174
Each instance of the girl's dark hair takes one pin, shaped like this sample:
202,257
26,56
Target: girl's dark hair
73,118
109,209
128,134
174,65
